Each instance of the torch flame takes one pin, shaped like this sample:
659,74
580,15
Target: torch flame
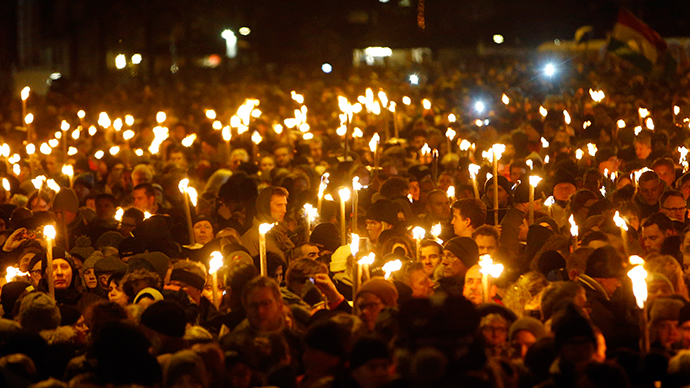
49,231
374,142
573,226
418,233
487,267
534,180
390,267
354,244
264,228
216,262
619,221
638,275
368,259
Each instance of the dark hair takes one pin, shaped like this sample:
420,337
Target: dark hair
147,187
670,193
135,213
394,187
659,219
106,197
471,208
432,243
301,269
663,161
486,230
644,137
595,235
649,176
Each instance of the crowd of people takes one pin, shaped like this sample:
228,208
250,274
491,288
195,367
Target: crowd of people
125,294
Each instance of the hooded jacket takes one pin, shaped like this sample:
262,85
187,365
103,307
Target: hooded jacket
277,239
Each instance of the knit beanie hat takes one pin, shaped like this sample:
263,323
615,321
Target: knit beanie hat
66,200
166,318
367,349
38,312
188,277
665,309
530,324
327,235
502,181
563,176
159,261
82,248
10,293
521,192
328,337
604,263
465,249
383,210
339,259
109,239
382,288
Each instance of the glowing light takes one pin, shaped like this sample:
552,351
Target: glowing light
5,150
16,169
464,144
13,273
147,215
368,259
505,99
6,184
479,106
414,80
183,185
244,31
592,149
676,110
544,143
474,170
543,112
573,226
265,228
53,143
119,213
619,221
92,130
426,104
406,100
139,152
25,93
579,154
217,125
498,150
498,38
49,232
354,245
72,151
120,61
549,201
373,143
383,98
534,180
450,134
344,194
215,263
327,68
478,123
38,182
193,195
566,116
621,123
390,267
450,192
136,59
81,114
311,212
129,134
643,112
549,70
189,140
649,123
452,118
99,154
256,137
64,125
210,114
161,117
29,118
45,149
418,233
436,230
487,267
103,120
597,95
14,158
53,185
586,124
638,275
425,149
226,133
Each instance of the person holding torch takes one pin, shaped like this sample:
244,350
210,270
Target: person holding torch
271,207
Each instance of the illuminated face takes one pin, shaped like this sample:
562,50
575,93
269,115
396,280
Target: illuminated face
461,226
522,340
283,157
650,191
264,310
438,207
53,165
374,229
278,207
203,232
668,333
420,284
90,278
642,150
452,265
62,274
105,210
502,195
431,258
315,150
38,204
179,160
487,245
674,208
445,181
236,160
117,295
666,173
653,238
414,190
267,164
516,173
142,201
473,286
563,191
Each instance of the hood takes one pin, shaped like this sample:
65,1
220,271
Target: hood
263,206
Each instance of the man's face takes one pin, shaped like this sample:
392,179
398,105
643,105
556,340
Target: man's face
368,308
516,173
142,201
563,191
62,274
283,157
438,207
642,150
674,208
668,333
653,238
650,191
179,160
420,284
90,278
267,164
127,226
430,258
278,207
418,142
316,151
374,229
460,225
54,167
487,245
522,340
203,232
666,173
502,195
452,265
610,284
309,252
138,178
105,209
473,286
264,310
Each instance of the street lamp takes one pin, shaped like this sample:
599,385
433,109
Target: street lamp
549,70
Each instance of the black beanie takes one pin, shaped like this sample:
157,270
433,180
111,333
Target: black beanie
327,235
465,249
502,181
166,318
328,337
188,277
563,176
521,192
604,263
383,210
367,349
550,261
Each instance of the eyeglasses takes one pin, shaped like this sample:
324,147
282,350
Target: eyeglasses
674,209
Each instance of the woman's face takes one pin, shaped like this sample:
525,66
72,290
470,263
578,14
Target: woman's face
90,278
116,294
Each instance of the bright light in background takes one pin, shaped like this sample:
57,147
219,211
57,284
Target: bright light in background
120,61
378,52
479,106
498,38
326,68
244,31
230,43
136,59
414,79
549,70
